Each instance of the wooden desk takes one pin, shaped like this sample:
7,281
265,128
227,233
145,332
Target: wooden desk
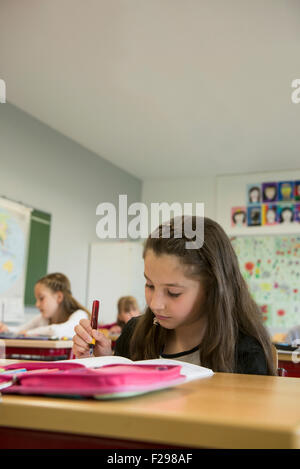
222,411
26,349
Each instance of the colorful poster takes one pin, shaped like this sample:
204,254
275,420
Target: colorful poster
271,268
268,204
297,190
285,191
269,192
297,213
254,215
14,233
254,194
238,216
285,213
269,214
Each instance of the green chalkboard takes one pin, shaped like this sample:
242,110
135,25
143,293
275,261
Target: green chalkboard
37,260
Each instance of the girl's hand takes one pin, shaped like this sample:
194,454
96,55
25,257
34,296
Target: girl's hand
84,336
3,327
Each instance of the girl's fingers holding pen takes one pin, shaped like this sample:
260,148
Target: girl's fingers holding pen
80,343
99,336
86,324
83,332
103,344
80,347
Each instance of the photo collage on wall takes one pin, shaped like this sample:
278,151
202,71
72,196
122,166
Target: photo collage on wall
268,204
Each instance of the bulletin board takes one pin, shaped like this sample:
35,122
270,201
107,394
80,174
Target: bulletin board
271,268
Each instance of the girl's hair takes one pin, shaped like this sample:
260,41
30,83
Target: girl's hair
229,307
58,282
126,303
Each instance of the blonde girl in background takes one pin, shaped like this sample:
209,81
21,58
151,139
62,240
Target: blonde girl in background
60,312
127,308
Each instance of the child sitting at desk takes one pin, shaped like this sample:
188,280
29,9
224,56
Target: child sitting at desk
127,309
199,306
60,311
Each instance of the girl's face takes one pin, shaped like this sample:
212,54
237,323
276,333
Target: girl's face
174,298
286,216
47,301
270,192
254,195
124,316
271,216
239,219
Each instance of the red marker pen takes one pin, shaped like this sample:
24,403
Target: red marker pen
94,323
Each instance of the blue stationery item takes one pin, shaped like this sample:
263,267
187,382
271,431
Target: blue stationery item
11,372
285,346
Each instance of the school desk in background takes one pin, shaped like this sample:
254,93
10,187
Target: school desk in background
35,348
288,359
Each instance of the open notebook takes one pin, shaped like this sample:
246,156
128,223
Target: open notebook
190,371
98,377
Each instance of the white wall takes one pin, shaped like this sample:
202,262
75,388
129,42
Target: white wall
42,168
192,190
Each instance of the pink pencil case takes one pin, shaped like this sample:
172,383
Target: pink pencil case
77,380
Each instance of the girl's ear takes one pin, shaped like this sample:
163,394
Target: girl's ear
59,297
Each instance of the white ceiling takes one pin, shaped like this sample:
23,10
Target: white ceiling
161,88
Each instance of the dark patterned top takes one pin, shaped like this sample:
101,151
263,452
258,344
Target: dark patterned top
250,357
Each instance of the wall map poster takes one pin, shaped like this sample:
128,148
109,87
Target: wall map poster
14,233
271,267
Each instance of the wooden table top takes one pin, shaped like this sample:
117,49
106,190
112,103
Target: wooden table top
222,411
32,343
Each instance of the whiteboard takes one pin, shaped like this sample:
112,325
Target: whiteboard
115,269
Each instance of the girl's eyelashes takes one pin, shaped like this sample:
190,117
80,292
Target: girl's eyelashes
173,295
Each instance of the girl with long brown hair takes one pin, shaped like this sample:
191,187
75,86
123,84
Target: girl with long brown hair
199,308
60,311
